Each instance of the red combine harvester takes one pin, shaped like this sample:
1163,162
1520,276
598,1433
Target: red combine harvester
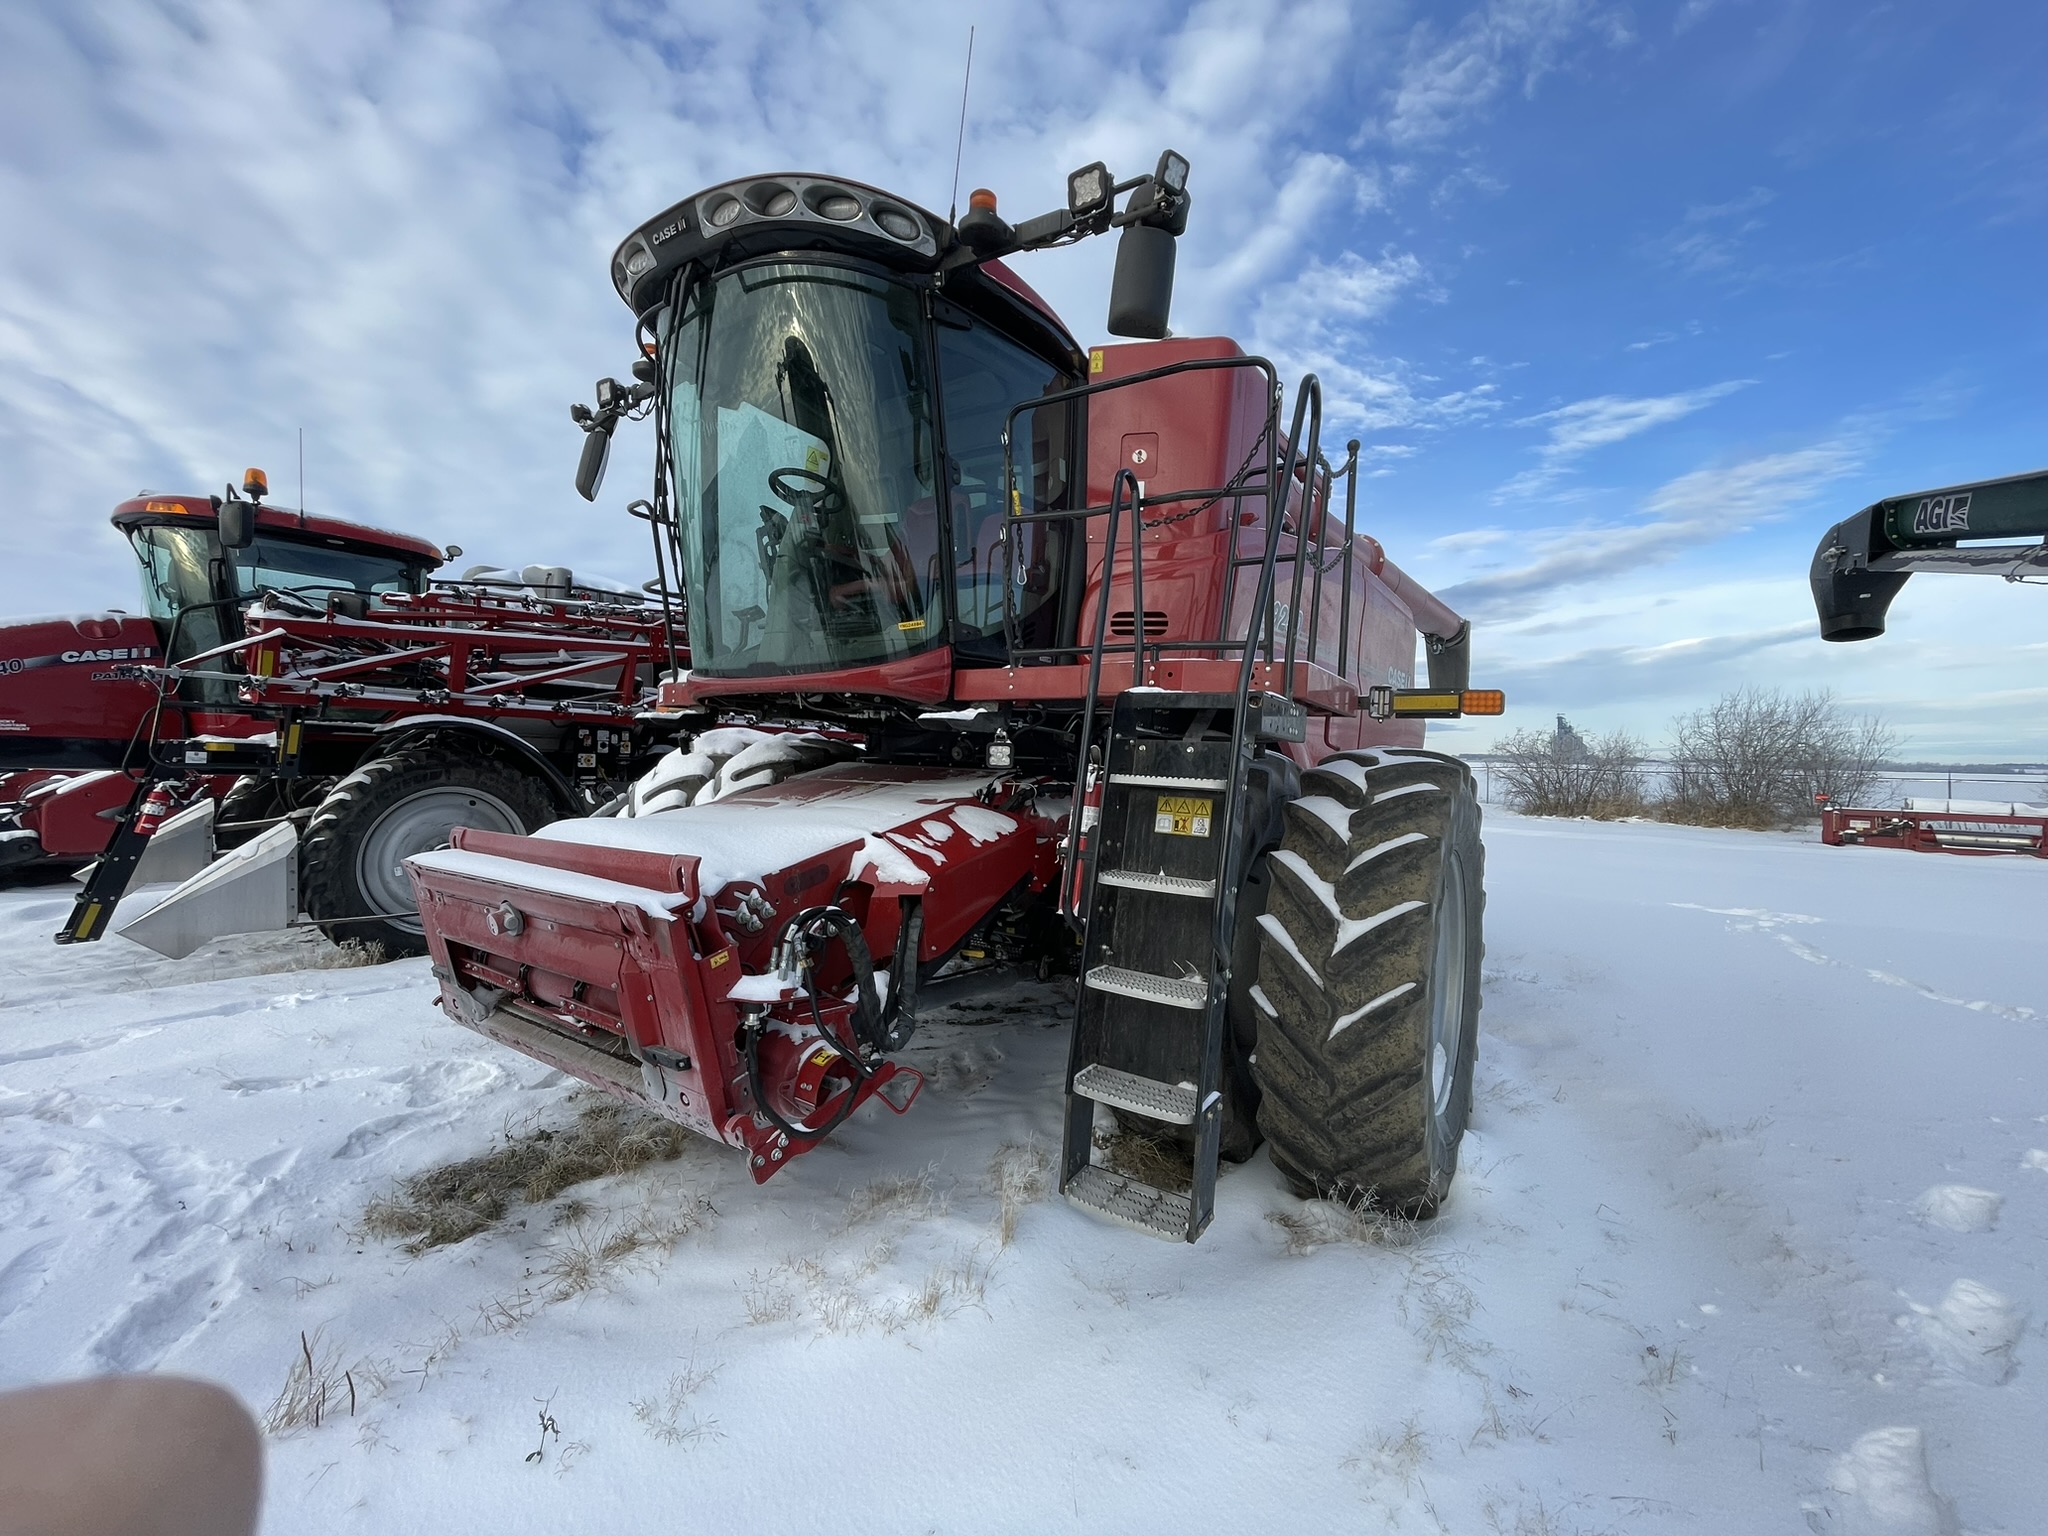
1002,652
341,710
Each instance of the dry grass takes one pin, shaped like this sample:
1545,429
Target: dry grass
1159,1161
1317,1224
318,1387
668,1416
346,955
458,1200
908,1195
843,1301
1020,1175
593,1255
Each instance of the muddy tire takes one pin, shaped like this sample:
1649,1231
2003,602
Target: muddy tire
352,879
1368,990
258,799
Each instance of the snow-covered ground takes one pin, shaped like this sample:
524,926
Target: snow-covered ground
1749,1237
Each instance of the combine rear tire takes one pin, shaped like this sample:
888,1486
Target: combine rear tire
352,879
1369,980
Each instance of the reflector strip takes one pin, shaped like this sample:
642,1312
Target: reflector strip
1418,701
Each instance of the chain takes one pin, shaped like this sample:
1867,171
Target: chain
1236,480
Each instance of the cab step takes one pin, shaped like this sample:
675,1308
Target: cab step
1174,1103
1167,885
1167,781
1174,991
1160,1212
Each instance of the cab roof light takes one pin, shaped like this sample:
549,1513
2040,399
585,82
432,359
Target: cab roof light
982,198
255,484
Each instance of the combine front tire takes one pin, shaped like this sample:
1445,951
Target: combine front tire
1369,980
352,879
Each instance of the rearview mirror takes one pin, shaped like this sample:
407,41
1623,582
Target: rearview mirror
597,451
237,524
1141,292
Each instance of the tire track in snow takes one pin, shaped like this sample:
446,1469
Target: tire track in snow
1761,920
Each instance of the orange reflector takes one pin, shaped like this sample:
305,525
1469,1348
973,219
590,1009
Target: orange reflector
1423,701
165,506
982,198
255,483
1485,701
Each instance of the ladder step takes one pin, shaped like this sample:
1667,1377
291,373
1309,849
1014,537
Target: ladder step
1174,991
1140,1095
1171,885
1157,1211
1166,781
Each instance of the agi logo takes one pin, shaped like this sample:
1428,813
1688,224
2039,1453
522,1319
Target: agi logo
1943,514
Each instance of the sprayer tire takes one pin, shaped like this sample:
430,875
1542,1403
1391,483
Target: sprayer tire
351,860
1366,1048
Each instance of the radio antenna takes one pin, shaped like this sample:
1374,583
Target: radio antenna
960,143
302,477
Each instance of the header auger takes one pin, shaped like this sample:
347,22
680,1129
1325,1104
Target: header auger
1001,651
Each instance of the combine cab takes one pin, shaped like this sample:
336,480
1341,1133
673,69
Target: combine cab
1002,651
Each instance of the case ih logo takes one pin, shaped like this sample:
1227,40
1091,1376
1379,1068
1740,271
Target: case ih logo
1943,514
112,653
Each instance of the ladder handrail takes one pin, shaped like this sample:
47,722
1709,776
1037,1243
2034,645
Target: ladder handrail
1016,517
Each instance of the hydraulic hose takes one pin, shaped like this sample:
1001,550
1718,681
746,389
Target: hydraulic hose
816,926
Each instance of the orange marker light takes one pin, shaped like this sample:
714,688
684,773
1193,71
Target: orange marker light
255,483
1485,701
983,199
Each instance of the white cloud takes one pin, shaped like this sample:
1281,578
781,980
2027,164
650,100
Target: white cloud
391,226
1577,429
1709,238
1685,513
1450,79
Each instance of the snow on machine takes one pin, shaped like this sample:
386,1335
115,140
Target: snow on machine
1001,651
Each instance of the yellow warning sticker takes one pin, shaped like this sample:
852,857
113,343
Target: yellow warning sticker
1183,816
1095,359
720,958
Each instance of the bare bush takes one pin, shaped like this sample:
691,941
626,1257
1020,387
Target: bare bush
1758,756
1561,773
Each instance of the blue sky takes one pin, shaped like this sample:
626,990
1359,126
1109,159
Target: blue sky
1628,302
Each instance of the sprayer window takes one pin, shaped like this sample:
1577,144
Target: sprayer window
315,570
801,436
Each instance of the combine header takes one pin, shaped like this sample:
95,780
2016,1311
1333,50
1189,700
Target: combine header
1001,652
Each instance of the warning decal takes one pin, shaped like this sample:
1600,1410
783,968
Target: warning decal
1182,816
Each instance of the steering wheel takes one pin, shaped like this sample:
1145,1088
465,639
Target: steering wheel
825,499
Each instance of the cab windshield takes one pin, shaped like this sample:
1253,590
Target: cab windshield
181,566
801,438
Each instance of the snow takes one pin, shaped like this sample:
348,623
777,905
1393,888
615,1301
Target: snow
1959,1208
1975,807
780,827
1683,1282
518,875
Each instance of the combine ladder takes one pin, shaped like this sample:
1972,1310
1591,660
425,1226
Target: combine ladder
1160,883
1153,883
